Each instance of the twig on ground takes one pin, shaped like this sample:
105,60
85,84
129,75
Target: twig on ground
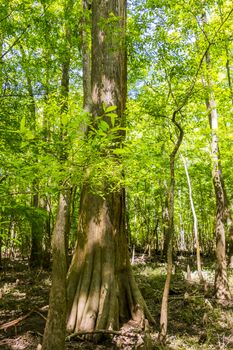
40,314
15,322
98,331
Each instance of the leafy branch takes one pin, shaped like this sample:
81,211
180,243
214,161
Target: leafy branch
21,35
210,43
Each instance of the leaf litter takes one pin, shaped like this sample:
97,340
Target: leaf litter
196,320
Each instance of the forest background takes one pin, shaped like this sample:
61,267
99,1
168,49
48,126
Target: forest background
178,129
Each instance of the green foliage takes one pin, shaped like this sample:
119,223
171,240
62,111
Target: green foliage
166,41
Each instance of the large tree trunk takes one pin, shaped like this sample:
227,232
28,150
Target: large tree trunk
221,280
102,293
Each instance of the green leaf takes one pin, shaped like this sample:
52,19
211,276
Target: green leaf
113,117
119,151
29,135
22,124
103,125
64,119
110,109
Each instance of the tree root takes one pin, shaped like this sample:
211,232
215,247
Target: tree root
131,333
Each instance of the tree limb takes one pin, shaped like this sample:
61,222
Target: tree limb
19,37
211,42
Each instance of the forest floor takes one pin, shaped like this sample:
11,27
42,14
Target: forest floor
196,320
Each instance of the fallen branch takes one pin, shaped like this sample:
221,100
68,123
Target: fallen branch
98,331
40,314
15,322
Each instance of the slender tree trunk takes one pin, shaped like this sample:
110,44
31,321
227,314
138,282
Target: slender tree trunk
182,236
36,231
165,216
86,55
55,330
170,233
47,234
228,67
164,304
102,293
47,201
155,233
228,214
182,245
195,221
54,334
221,280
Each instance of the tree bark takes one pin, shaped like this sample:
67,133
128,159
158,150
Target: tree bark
221,280
36,232
170,233
35,260
54,334
228,214
86,56
102,293
55,330
228,66
166,219
195,221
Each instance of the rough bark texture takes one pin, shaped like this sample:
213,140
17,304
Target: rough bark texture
55,330
221,280
54,335
102,293
228,214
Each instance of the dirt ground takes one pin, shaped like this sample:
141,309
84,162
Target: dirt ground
196,319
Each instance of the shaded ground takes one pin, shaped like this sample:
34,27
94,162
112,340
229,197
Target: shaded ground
196,320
